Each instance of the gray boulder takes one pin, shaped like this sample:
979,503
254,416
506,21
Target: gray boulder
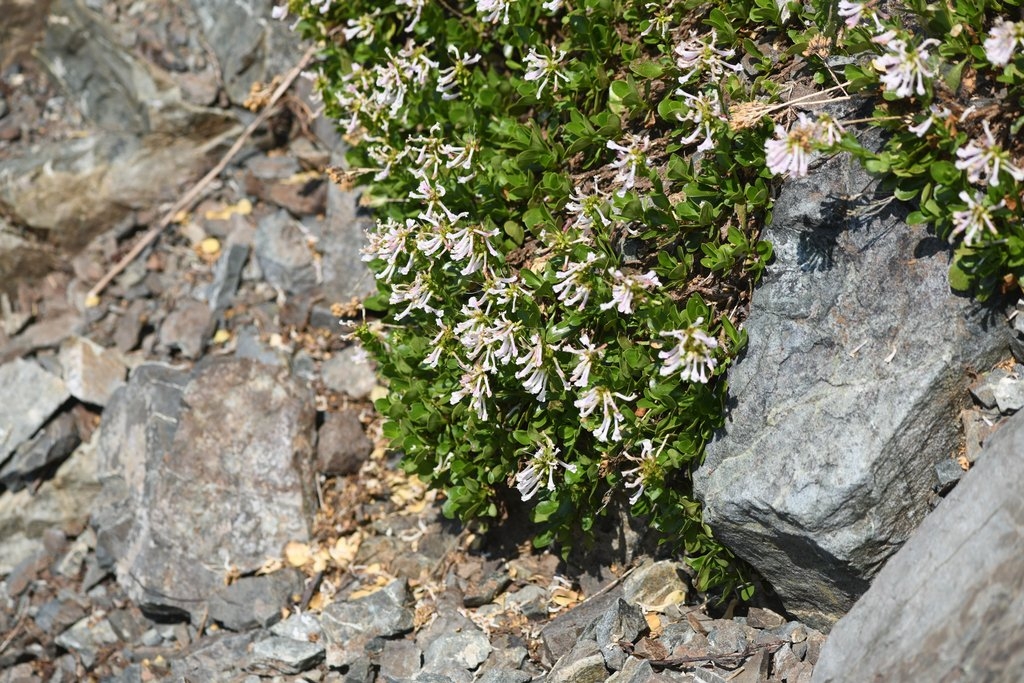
847,397
947,606
32,396
202,473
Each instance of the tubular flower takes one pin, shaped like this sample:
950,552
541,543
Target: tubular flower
903,72
974,219
694,353
540,467
1002,39
611,417
790,151
646,469
544,68
695,56
473,383
983,159
626,287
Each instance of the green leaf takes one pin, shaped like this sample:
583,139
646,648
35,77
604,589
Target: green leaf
646,69
514,231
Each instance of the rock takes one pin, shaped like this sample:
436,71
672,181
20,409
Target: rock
983,390
348,626
286,655
62,502
254,601
91,372
978,426
187,328
284,254
400,659
504,676
342,445
845,399
656,586
48,333
51,444
759,617
277,180
727,637
41,394
185,498
350,372
87,636
562,633
299,626
622,623
583,664
947,474
531,600
467,650
215,658
947,605
346,276
227,274
1008,393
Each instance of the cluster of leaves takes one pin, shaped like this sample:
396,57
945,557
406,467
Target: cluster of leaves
950,83
569,195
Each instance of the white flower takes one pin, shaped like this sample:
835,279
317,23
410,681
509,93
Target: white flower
936,114
416,5
449,77
696,56
903,72
494,10
790,151
852,11
587,354
279,12
587,206
703,110
472,244
1002,39
972,220
694,353
417,294
539,468
552,6
611,417
572,289
662,20
983,159
534,371
626,286
362,27
632,156
542,68
444,332
388,243
645,470
473,383
829,131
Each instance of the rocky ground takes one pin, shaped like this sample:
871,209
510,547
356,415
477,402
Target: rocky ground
193,484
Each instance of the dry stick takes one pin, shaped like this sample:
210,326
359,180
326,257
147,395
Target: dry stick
186,202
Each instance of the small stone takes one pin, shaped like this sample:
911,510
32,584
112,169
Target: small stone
562,633
623,623
759,617
947,473
286,655
400,659
504,676
1009,394
85,638
254,601
41,392
465,650
486,590
727,637
51,444
227,275
299,626
983,390
708,676
348,626
91,372
531,600
284,254
583,664
186,328
656,586
350,372
342,445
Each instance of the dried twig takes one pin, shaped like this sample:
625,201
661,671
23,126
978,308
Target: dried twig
187,200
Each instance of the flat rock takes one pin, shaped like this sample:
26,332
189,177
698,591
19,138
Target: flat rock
349,626
947,606
346,276
284,254
40,395
342,445
255,601
53,443
91,372
286,655
187,327
350,372
656,586
846,397
184,498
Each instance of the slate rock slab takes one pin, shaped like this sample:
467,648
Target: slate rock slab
947,606
31,397
92,373
349,626
186,498
847,396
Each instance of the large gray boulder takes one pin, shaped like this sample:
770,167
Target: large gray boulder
847,396
947,606
203,473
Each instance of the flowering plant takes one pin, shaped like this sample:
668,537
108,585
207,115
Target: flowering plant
569,196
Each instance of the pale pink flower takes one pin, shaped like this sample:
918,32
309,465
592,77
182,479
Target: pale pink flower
626,287
903,71
611,416
971,221
1002,39
698,56
545,68
983,159
790,151
539,468
936,114
645,470
694,353
474,384
587,355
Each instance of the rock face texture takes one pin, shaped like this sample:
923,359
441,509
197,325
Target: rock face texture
178,483
847,397
947,606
